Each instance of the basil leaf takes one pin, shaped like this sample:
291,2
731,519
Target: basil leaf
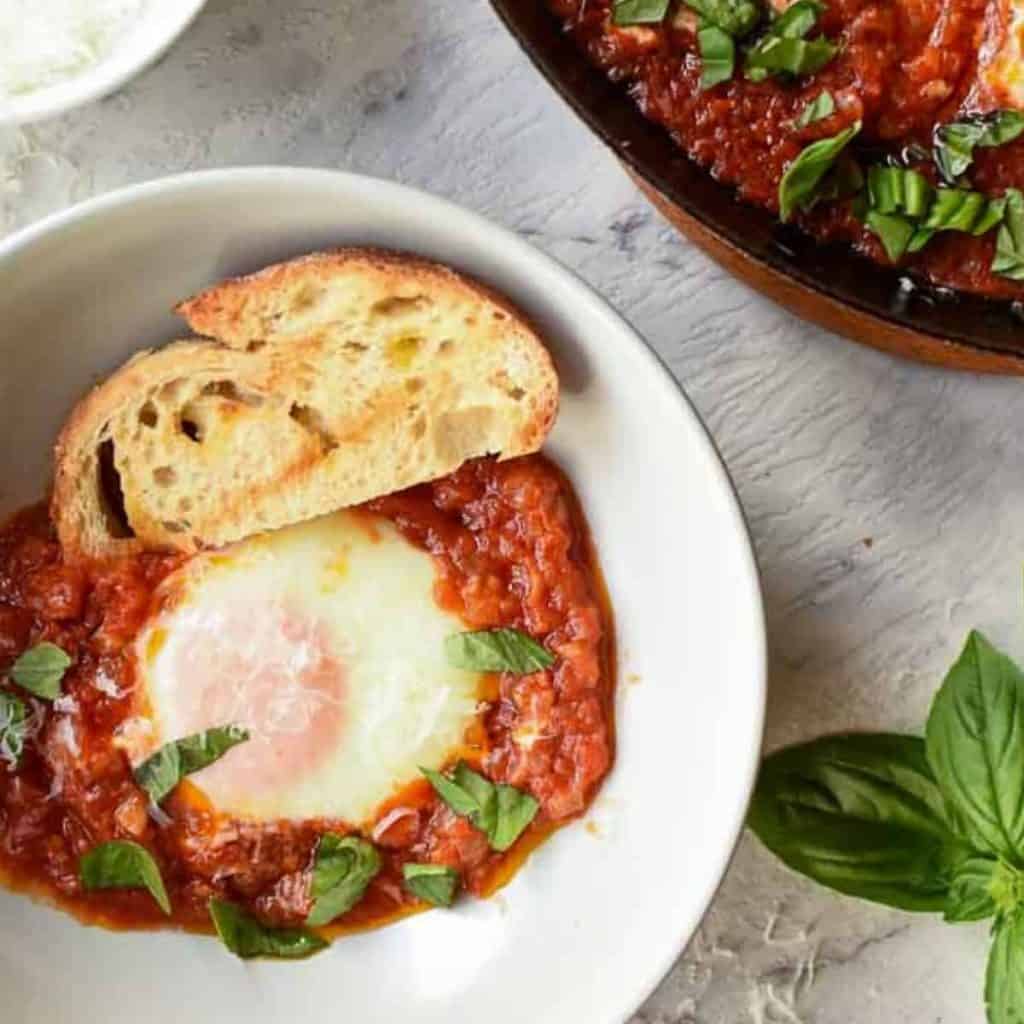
975,742
957,209
159,774
121,864
343,868
899,190
797,19
1004,976
1009,257
717,54
497,650
639,12
484,794
432,883
784,51
500,812
41,669
246,937
955,143
800,183
776,55
895,232
969,897
13,728
516,810
822,106
734,17
861,814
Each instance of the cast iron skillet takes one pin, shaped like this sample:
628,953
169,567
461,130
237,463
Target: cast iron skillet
828,284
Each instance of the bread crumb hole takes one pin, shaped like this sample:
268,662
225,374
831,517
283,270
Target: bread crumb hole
232,392
396,305
306,298
256,346
148,415
419,428
356,347
499,315
414,385
313,422
190,429
175,526
111,494
446,346
516,394
164,475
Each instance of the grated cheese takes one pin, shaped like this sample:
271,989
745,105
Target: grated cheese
43,42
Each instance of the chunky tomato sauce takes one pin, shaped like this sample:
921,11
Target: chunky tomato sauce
511,549
904,67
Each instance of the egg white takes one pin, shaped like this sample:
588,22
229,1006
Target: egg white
343,594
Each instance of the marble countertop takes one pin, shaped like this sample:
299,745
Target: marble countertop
881,495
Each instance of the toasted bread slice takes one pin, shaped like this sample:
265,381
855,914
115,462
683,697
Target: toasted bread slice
330,380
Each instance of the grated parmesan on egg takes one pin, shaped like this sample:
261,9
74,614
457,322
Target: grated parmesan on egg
43,42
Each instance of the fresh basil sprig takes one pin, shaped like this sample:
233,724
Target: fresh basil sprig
1009,257
433,883
13,728
40,670
501,812
932,825
343,868
861,814
822,106
717,55
955,142
247,938
799,187
639,12
497,650
121,864
161,772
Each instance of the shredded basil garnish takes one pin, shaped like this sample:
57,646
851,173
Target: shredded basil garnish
800,184
639,12
159,774
433,883
955,142
40,670
1009,257
717,54
13,728
734,17
822,106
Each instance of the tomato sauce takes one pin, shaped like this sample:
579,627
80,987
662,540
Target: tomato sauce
904,67
511,548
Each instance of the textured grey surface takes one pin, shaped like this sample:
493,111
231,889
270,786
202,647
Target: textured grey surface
882,496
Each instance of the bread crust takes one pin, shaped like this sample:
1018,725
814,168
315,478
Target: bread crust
323,381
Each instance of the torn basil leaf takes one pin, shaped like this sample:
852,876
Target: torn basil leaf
433,883
40,670
776,55
800,184
343,868
159,774
121,864
717,54
13,728
822,106
955,142
894,231
497,650
734,17
899,190
797,19
247,938
639,12
1009,257
501,812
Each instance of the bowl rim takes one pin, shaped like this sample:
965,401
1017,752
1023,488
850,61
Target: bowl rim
937,321
109,73
584,294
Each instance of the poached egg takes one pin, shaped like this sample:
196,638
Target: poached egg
325,641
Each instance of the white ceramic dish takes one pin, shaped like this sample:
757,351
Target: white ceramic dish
147,40
599,913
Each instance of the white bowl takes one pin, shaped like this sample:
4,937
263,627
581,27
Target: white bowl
600,912
146,41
